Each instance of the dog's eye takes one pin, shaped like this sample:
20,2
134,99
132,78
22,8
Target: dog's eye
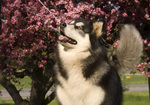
79,27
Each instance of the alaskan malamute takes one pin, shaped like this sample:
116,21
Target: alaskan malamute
86,74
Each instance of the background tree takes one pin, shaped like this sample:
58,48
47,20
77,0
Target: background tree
28,37
0,17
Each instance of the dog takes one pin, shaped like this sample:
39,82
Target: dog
86,73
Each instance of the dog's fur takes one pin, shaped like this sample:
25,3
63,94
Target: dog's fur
86,73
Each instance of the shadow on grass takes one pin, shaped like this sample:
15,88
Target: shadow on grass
6,102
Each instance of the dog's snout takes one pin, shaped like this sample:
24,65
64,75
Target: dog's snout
63,24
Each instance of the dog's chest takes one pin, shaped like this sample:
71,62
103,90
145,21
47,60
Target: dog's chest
77,90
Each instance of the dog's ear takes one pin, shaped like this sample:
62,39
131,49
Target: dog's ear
97,28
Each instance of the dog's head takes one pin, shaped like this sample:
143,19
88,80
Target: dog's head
79,34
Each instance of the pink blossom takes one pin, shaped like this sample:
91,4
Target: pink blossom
113,11
143,73
19,63
31,50
109,2
29,30
30,3
40,65
145,41
17,3
146,16
124,14
148,58
136,1
39,23
17,13
14,19
7,11
44,61
116,43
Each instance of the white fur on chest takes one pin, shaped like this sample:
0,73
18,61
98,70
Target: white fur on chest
76,90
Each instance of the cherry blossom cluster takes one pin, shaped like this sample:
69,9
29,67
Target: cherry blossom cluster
116,43
29,30
143,67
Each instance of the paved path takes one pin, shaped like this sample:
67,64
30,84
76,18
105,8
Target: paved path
23,92
143,87
26,92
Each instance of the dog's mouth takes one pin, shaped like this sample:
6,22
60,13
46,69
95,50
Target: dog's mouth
65,39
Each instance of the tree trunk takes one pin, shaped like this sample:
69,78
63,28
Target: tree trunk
41,84
0,19
37,91
11,89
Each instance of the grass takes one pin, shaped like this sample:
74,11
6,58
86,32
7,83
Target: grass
130,98
6,102
10,102
134,79
22,83
54,102
136,98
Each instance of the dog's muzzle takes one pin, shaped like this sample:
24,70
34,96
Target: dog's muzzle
63,37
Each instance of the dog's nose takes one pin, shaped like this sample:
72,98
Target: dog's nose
63,24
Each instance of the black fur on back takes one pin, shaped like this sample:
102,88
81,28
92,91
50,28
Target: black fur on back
110,80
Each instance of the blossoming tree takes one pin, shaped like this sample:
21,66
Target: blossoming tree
28,37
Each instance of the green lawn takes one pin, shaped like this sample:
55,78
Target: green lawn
24,83
134,79
136,98
130,98
10,102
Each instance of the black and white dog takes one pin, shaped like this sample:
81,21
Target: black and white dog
86,74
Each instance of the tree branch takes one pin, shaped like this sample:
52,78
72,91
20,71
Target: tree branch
14,93
49,98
